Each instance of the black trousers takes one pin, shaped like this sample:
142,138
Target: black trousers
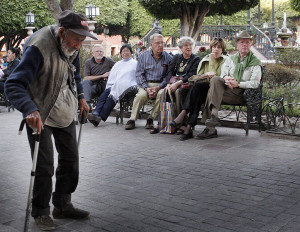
195,98
67,170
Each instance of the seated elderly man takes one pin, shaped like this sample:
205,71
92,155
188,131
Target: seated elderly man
151,73
230,89
96,72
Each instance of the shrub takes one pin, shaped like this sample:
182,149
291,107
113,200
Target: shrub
84,55
283,81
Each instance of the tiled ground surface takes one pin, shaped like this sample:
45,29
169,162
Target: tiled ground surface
136,182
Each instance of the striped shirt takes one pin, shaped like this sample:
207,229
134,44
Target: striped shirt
150,70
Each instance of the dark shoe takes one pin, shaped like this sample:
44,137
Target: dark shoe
207,134
94,119
154,131
213,121
45,223
149,124
186,136
130,125
71,212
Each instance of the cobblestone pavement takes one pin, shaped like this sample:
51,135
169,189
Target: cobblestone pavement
132,181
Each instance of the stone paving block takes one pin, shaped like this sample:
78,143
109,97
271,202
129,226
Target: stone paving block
133,181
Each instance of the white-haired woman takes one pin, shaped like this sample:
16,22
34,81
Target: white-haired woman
182,67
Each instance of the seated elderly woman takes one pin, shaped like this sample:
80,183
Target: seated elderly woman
121,80
181,68
214,64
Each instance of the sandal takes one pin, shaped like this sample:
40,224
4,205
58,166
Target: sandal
154,131
179,131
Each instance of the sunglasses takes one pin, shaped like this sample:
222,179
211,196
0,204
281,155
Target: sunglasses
218,39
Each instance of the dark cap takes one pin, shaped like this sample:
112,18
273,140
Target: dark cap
75,22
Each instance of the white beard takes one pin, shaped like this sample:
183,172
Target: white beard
67,50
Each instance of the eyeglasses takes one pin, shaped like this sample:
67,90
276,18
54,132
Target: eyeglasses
218,39
159,43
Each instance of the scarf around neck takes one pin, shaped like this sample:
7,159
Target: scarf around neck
249,60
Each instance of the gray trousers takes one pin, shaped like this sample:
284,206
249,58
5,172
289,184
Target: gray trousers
218,94
93,88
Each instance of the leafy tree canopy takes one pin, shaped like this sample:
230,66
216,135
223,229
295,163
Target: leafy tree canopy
192,12
12,21
111,11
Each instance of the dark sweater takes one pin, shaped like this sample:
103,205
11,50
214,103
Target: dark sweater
190,69
10,67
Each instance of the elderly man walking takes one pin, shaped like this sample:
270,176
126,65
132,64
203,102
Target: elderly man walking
151,79
46,87
230,89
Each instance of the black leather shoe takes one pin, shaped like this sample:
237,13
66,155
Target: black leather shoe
94,119
130,125
207,134
71,212
213,121
149,124
186,136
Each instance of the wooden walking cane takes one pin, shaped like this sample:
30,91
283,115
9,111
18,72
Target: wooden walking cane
81,121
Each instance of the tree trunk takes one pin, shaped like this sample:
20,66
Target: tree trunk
54,8
192,19
66,5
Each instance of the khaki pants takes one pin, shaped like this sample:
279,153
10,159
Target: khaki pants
140,100
219,94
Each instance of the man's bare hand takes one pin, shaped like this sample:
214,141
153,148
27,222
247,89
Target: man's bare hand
83,106
210,74
34,120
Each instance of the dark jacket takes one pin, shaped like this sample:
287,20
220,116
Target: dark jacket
10,67
36,82
190,69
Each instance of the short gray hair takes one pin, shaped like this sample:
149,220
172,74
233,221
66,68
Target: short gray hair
155,35
185,39
97,45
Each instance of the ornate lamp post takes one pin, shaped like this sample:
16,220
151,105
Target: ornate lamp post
29,19
91,11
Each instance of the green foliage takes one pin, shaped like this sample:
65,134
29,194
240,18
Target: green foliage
288,57
295,4
140,20
116,58
84,55
283,81
111,11
239,18
173,9
12,21
280,6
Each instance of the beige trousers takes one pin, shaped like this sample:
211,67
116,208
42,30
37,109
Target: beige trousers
140,100
218,94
